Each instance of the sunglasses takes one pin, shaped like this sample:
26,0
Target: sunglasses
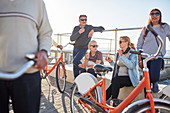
157,14
94,46
121,41
83,19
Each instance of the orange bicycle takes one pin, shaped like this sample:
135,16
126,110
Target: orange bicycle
60,70
89,95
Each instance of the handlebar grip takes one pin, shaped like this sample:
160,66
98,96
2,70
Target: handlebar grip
135,52
60,46
150,28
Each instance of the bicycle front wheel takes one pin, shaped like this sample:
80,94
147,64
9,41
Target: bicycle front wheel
159,107
77,107
61,77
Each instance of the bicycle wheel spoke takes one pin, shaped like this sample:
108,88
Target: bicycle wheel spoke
77,107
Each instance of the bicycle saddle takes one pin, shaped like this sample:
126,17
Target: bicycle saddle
102,68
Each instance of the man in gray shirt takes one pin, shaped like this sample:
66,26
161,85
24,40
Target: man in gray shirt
82,35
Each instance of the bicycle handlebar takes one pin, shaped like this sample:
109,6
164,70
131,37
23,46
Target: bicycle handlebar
150,28
61,46
12,76
150,57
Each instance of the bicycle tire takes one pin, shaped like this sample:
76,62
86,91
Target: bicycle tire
80,108
60,77
159,107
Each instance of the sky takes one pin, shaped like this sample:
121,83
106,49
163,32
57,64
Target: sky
64,14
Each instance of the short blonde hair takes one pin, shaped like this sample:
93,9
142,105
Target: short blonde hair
93,41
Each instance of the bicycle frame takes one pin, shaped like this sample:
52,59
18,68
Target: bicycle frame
144,83
59,60
54,66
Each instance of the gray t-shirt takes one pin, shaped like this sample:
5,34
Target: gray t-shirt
123,70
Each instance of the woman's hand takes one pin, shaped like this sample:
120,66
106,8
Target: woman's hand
87,56
108,59
120,52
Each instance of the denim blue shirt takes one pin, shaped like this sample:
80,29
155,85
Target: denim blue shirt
132,65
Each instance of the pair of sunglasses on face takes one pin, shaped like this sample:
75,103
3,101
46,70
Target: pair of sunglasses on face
157,14
94,46
83,19
121,41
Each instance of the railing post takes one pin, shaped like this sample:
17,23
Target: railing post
116,40
58,38
110,45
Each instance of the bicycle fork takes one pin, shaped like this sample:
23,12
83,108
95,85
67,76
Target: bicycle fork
148,91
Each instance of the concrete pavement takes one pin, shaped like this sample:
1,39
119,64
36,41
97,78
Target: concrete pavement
53,101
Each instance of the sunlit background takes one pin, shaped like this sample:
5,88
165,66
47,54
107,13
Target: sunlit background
111,14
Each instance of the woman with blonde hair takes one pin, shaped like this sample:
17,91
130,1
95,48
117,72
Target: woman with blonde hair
127,72
92,58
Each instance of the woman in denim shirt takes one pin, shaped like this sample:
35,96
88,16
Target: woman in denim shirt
128,74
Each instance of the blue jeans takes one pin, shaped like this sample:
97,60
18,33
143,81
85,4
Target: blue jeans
78,54
154,69
24,92
154,72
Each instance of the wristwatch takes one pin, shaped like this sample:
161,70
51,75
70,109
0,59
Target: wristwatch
45,51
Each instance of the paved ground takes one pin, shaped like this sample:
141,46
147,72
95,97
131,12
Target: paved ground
53,101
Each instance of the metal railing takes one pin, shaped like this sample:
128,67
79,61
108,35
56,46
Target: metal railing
115,38
60,39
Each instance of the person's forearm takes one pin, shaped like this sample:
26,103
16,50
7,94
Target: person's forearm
74,36
85,63
98,29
